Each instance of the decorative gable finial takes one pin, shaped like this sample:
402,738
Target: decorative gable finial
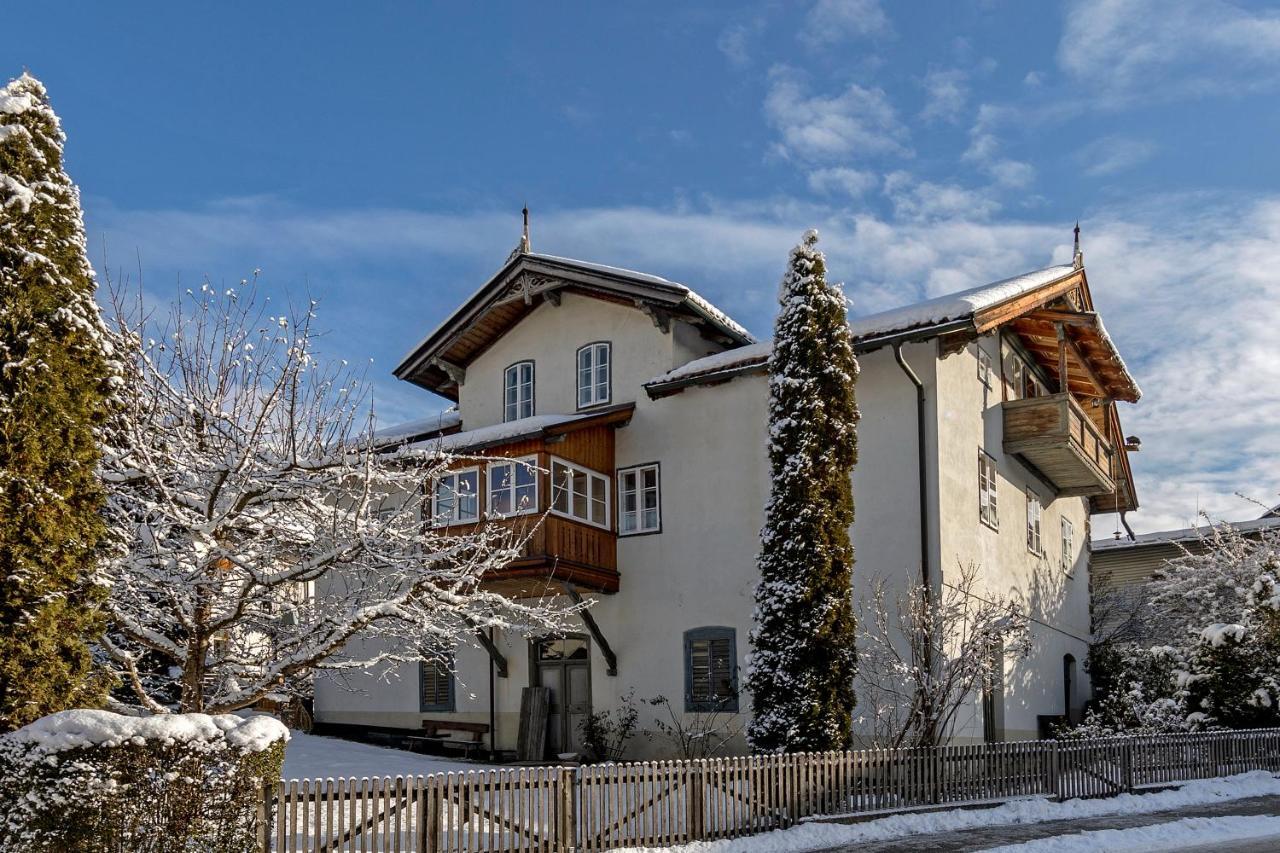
524,237
1077,256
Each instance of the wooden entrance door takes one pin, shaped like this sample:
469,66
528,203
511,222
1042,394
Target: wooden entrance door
563,666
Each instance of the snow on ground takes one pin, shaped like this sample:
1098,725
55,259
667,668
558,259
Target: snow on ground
316,757
818,836
1174,835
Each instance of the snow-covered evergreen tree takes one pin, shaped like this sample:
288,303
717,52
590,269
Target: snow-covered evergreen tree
261,534
55,386
803,660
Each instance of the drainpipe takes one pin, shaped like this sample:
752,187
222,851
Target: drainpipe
926,710
493,706
921,469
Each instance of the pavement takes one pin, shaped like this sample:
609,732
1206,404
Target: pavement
987,837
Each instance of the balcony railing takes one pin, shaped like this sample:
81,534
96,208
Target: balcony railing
1055,436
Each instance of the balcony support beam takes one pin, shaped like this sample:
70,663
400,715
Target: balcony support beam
499,659
590,621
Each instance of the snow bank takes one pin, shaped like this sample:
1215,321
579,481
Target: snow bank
816,836
1174,835
84,728
317,757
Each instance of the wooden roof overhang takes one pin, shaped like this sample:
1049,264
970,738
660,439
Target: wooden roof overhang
439,362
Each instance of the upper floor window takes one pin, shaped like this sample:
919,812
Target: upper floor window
455,497
1034,543
513,486
517,393
710,670
638,506
987,508
579,493
593,375
435,680
1068,546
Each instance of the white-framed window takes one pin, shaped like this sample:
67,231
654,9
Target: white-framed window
1068,546
594,366
455,497
579,493
1034,543
986,373
988,510
517,391
513,486
639,503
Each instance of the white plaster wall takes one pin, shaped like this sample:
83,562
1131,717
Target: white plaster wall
969,416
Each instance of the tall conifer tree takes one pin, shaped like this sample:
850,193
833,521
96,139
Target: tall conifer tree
803,660
55,385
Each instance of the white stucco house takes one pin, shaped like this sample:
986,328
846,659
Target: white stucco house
989,435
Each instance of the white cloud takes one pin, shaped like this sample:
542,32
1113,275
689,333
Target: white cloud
842,179
946,93
917,200
1189,288
830,22
1034,79
1153,49
857,122
733,41
1113,154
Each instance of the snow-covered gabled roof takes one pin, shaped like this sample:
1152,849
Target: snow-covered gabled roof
524,282
1185,534
537,426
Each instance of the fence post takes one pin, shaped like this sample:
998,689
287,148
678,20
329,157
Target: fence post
694,802
430,822
567,830
265,796
1055,771
1126,763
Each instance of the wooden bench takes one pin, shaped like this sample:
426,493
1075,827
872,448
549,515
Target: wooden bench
431,735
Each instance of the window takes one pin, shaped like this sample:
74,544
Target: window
579,493
435,683
518,391
456,498
710,670
985,371
1034,545
593,375
1068,546
987,509
513,487
638,506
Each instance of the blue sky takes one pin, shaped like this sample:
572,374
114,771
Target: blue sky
378,159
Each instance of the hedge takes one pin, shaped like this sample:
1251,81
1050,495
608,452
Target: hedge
100,782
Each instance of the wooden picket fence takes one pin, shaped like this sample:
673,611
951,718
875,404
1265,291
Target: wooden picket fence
603,807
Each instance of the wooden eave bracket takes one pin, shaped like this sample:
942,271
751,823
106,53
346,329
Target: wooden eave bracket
596,634
456,373
499,659
660,316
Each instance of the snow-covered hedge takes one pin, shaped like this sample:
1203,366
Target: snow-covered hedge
97,781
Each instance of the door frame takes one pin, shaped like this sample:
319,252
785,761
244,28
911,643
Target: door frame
534,675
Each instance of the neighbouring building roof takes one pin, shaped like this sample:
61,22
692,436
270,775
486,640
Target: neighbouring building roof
439,361
437,424
1186,534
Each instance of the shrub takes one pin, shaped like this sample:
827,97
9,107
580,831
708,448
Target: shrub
100,782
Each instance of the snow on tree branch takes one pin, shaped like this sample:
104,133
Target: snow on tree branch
260,533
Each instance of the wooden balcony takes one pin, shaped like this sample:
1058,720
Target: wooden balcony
1054,435
557,549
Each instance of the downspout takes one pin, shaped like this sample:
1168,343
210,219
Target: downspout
921,470
493,706
926,710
